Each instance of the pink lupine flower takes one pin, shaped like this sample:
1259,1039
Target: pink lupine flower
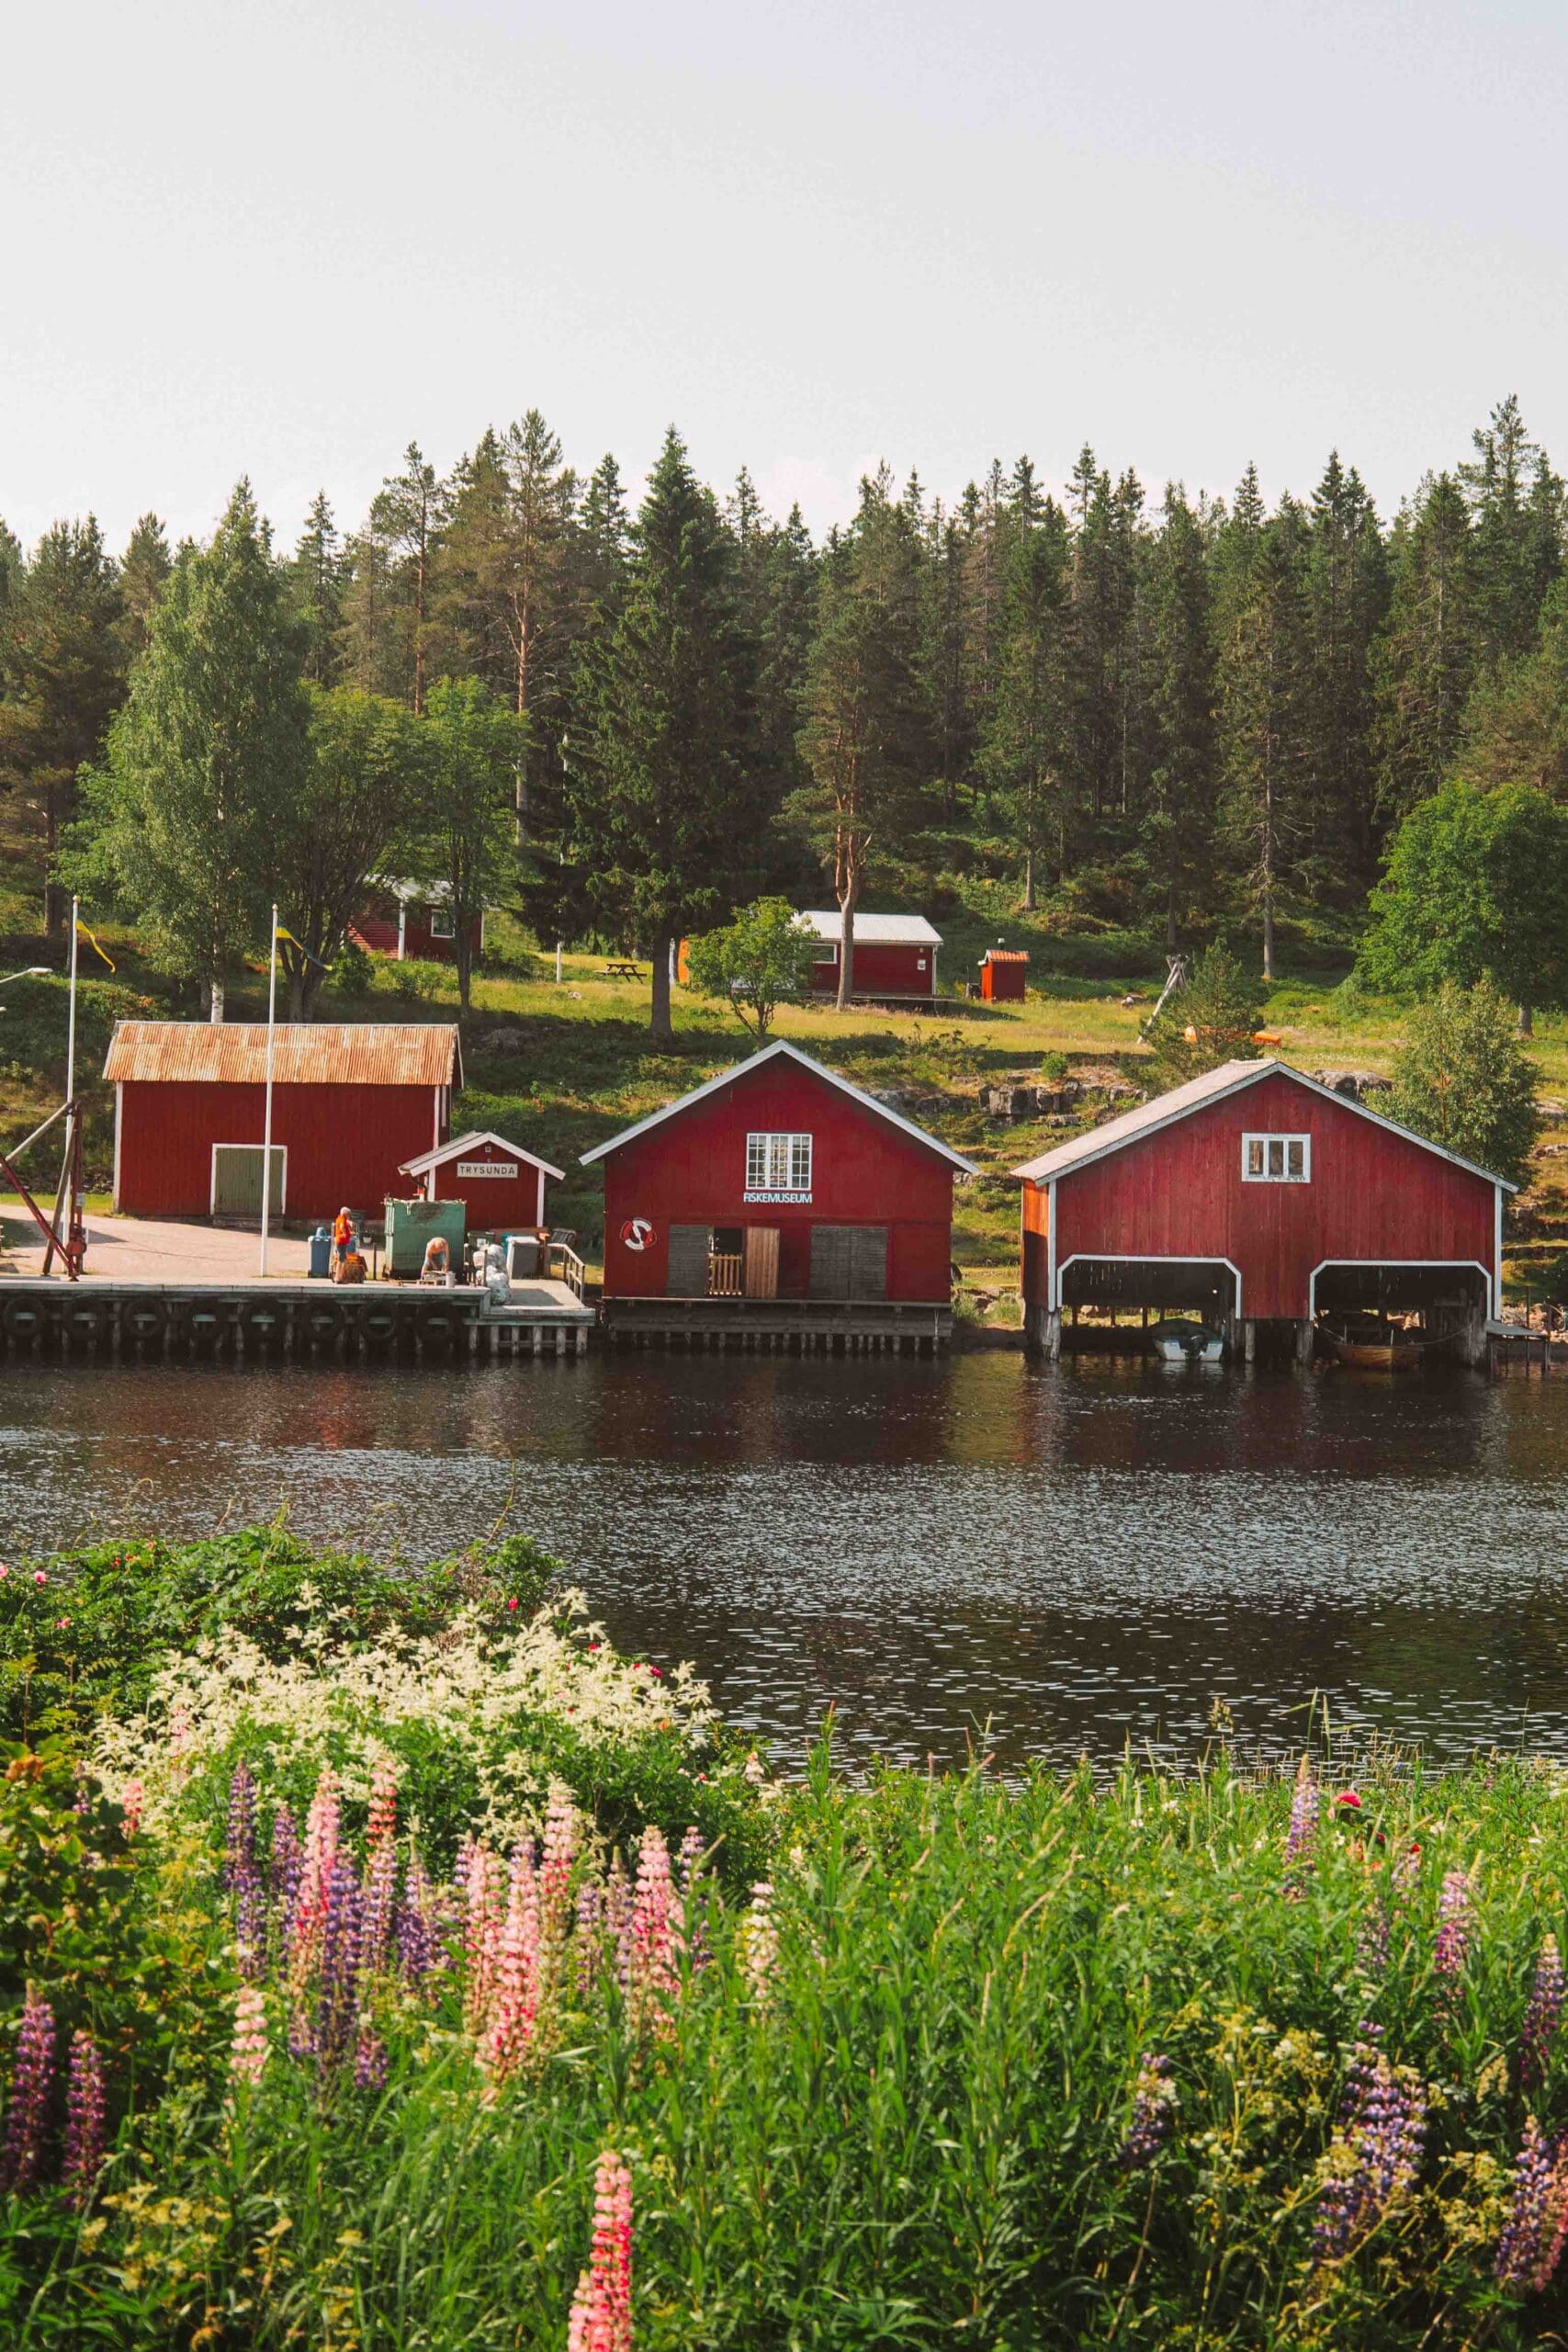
482,1924
516,2007
1455,1917
1539,2029
130,1806
1302,1827
383,1802
247,2051
4,1567
654,1936
556,1866
760,1945
322,1832
84,2119
601,2318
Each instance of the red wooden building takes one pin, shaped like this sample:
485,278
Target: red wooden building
500,1183
412,922
1003,974
894,956
350,1105
775,1191
1256,1196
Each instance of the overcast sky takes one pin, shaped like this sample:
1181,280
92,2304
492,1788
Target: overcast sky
287,237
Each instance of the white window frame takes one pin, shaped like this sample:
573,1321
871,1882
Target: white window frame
442,924
779,1161
1266,1175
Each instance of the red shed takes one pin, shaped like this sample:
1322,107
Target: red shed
500,1183
894,956
350,1103
1003,971
412,921
1256,1195
778,1179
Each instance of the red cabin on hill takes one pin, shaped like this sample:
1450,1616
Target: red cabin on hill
778,1192
350,1103
500,1183
412,922
1004,972
1255,1195
894,956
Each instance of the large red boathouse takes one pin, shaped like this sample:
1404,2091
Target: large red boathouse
780,1204
1261,1199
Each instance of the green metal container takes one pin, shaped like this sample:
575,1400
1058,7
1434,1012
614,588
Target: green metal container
411,1223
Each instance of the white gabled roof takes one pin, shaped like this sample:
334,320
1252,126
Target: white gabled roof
780,1047
461,1143
1230,1078
872,931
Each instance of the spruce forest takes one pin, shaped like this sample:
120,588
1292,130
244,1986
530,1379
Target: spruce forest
1132,710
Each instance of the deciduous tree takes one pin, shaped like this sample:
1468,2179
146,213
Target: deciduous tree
1462,1079
761,958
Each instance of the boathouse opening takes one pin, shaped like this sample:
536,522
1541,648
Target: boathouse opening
1107,1300
1451,1298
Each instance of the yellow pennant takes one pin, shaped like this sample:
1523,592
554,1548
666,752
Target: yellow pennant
281,933
94,945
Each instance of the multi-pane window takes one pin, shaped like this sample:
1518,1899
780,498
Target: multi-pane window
779,1163
1276,1160
441,924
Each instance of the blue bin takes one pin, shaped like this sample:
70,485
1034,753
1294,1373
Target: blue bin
321,1253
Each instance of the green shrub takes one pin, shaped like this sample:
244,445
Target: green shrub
416,980
353,969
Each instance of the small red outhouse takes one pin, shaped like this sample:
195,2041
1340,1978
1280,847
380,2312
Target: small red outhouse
1003,971
892,955
778,1180
1257,1195
412,922
501,1184
351,1101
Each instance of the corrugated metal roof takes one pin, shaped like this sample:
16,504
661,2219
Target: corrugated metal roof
1229,1078
780,1047
872,931
305,1053
1005,955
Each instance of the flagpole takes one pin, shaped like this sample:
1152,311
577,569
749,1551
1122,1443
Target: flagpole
266,1125
71,1019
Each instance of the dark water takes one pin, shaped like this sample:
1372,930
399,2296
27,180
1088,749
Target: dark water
1080,1555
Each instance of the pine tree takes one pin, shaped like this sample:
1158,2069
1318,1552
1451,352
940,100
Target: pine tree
465,832
1346,596
1517,505
205,762
144,570
1516,726
866,733
1177,827
1022,741
659,786
316,583
388,615
1426,660
602,543
63,663
1264,694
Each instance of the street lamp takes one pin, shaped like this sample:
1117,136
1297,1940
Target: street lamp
29,972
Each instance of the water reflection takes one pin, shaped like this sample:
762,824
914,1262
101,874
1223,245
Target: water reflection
1079,1556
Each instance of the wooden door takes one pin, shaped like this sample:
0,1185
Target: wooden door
237,1180
868,1262
688,1270
849,1262
761,1261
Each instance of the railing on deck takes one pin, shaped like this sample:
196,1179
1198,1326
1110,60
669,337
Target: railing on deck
562,1261
726,1276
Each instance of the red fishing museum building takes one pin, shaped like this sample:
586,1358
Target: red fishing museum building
778,1200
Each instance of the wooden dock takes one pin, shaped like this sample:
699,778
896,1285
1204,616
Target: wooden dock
282,1321
778,1326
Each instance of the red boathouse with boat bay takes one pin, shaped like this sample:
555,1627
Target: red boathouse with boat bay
778,1198
1256,1195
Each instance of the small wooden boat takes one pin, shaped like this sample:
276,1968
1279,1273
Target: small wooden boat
1180,1341
1372,1344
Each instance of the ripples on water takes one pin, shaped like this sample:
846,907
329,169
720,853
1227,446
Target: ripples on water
1079,1556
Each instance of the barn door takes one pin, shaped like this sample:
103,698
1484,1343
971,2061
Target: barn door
849,1262
237,1180
688,1271
761,1261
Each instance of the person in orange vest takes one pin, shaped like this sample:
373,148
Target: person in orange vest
342,1237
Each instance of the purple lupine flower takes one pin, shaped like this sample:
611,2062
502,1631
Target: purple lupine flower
239,1836
1302,1829
1523,2244
84,2119
27,2120
369,2060
1154,2096
1384,2135
337,1998
301,2034
1540,2028
287,1869
1455,1914
380,1885
414,1924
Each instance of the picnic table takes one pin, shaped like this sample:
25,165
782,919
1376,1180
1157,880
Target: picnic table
623,971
